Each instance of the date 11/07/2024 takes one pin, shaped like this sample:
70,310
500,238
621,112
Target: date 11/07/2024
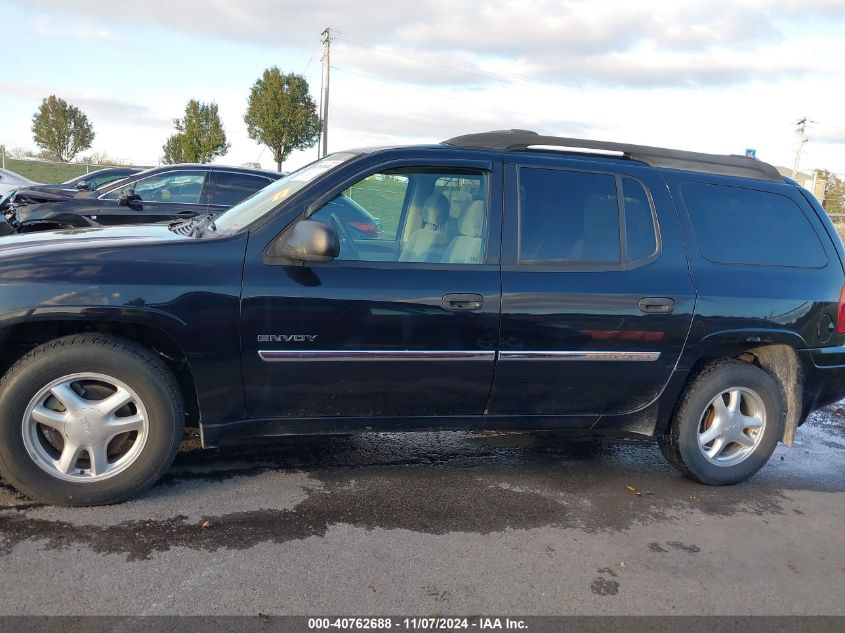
418,624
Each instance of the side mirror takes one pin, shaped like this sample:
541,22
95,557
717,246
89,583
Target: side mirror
82,185
127,197
309,241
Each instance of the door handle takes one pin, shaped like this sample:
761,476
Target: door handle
462,301
657,305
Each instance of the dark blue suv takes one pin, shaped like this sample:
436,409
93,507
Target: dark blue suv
517,281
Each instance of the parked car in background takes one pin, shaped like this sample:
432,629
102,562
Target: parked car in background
41,207
160,194
94,180
361,223
519,282
10,180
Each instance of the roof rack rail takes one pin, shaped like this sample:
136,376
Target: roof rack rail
721,164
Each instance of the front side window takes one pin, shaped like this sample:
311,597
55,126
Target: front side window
745,226
417,215
371,208
96,182
184,187
101,181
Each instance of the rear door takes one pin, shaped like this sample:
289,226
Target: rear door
597,296
228,188
404,322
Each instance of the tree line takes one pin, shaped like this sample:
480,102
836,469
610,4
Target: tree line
280,114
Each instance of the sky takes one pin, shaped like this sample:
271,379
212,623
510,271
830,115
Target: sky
706,75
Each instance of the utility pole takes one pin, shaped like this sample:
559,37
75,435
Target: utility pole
324,97
801,130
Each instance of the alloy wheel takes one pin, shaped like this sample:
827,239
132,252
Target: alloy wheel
731,426
85,427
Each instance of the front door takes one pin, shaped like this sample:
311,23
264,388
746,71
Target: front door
597,296
404,322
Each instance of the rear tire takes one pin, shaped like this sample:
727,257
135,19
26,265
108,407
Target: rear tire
88,419
728,424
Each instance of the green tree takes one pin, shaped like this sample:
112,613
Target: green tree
173,152
199,135
281,114
60,129
834,191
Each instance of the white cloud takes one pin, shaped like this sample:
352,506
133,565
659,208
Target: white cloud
559,40
719,75
46,26
95,105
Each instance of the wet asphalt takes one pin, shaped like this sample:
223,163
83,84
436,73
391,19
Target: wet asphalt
442,523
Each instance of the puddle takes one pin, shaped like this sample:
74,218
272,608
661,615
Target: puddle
434,483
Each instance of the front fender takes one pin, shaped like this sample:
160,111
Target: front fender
188,289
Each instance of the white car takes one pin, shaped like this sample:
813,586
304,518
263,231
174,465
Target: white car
10,180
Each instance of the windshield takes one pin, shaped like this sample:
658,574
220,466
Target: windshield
262,202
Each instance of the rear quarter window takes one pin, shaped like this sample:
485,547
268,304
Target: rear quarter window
734,225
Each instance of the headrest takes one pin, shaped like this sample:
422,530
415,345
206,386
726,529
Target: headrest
472,221
600,212
436,211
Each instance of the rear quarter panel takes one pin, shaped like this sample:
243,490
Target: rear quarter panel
744,303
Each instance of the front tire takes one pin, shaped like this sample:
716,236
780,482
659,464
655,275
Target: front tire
728,424
88,419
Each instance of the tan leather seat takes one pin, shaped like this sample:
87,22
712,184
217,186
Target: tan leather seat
428,243
467,247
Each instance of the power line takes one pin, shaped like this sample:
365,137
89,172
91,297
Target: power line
463,102
835,127
311,59
450,63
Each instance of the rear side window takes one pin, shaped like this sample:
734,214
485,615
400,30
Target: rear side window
568,215
572,217
745,226
232,188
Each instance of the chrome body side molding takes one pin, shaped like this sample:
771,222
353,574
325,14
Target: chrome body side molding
273,356
579,355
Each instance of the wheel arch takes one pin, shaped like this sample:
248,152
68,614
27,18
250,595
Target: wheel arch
776,352
151,328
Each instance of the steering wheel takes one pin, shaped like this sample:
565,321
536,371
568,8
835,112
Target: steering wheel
347,244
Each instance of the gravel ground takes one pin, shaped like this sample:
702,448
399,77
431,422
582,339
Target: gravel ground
449,523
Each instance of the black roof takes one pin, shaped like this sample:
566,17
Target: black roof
216,167
722,164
